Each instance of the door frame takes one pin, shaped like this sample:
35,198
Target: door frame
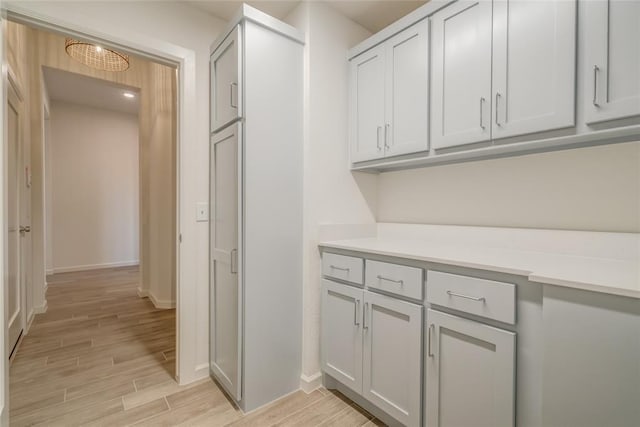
187,369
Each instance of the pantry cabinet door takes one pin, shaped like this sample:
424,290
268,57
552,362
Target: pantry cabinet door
461,74
612,69
225,69
407,100
534,66
367,105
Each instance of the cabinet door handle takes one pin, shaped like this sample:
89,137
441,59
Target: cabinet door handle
429,352
231,86
378,129
595,85
453,294
497,98
481,108
386,135
400,282
335,267
234,261
364,317
356,313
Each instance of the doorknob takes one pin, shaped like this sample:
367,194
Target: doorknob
26,229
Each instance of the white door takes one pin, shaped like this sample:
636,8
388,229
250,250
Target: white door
17,228
392,360
226,91
225,288
342,333
534,66
470,373
461,74
367,105
612,68
407,100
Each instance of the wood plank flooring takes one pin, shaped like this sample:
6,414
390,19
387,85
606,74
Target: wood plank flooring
102,356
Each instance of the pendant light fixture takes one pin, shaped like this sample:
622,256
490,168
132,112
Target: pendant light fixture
98,57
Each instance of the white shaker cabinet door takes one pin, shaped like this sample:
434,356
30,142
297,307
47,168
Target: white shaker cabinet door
225,69
470,373
612,69
342,333
392,371
461,74
225,290
407,98
534,66
367,105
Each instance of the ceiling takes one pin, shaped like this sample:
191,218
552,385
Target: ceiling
82,90
374,15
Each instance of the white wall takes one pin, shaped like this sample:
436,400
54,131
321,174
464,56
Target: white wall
94,191
332,194
175,29
595,189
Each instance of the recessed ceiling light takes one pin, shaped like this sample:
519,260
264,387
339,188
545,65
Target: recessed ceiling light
129,95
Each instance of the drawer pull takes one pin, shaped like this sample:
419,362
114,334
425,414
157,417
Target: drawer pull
453,294
400,282
356,313
339,268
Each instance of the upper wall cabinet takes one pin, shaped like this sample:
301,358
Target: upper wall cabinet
225,77
502,69
389,96
612,69
504,78
534,66
461,79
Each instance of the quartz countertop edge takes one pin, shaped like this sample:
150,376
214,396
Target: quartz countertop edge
602,275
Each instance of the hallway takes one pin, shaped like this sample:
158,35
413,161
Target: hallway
101,355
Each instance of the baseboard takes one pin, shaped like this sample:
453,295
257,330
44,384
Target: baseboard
308,383
42,308
202,371
143,293
95,266
4,413
160,303
30,317
49,271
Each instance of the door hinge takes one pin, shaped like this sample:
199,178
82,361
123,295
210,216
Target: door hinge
180,238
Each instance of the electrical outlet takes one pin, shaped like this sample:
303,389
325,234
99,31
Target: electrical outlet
202,212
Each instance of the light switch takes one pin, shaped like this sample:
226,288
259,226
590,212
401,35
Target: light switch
202,212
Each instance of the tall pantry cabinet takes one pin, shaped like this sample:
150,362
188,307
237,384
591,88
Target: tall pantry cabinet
256,204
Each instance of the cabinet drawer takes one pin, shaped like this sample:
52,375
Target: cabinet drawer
394,278
343,267
486,298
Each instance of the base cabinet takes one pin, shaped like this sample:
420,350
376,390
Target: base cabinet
470,372
372,344
342,333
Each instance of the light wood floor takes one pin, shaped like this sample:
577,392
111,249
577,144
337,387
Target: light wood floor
103,356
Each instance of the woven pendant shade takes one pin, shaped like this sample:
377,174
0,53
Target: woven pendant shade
95,56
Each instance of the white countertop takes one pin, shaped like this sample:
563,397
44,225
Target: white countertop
614,276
